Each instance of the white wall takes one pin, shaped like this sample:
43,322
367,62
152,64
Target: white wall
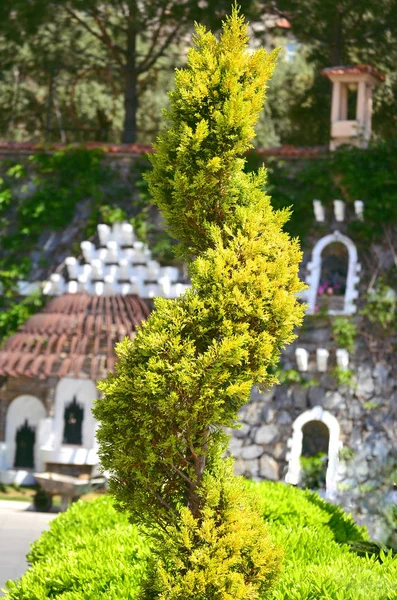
52,448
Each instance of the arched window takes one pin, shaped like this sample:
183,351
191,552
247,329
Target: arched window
73,424
332,287
315,431
314,456
333,275
24,452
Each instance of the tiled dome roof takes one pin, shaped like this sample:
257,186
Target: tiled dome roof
73,336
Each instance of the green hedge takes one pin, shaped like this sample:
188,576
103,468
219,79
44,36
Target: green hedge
91,552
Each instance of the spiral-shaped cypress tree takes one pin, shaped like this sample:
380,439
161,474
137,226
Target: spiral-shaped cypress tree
191,366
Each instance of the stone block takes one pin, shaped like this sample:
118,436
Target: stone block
251,413
365,382
316,396
300,398
283,418
235,446
251,468
243,432
333,400
268,468
250,452
266,434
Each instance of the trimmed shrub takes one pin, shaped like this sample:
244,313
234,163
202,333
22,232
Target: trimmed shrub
92,551
191,366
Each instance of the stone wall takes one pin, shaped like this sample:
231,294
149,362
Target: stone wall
366,412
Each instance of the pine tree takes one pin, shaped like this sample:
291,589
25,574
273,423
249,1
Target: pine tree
191,366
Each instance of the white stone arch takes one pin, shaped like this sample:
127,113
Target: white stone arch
22,408
314,273
295,444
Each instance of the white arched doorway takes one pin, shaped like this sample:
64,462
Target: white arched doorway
24,412
295,444
352,277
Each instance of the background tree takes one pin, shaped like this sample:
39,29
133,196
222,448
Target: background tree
118,43
191,366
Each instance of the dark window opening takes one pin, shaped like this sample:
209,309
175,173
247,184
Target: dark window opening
25,440
73,428
352,102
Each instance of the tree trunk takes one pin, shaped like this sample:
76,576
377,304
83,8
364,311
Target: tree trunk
337,42
131,88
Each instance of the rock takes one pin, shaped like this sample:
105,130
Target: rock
268,414
251,468
354,409
283,396
283,418
380,450
278,450
362,470
300,398
365,382
239,467
243,431
235,446
251,413
316,396
266,434
381,373
333,400
249,452
268,468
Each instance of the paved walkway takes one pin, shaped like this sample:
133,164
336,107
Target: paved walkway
19,527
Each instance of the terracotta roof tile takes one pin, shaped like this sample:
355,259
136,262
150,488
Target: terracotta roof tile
353,70
73,336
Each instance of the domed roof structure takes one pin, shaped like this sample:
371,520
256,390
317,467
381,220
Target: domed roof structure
73,336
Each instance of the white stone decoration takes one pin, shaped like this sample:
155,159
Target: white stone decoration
295,444
314,274
319,213
359,209
22,408
322,355
342,358
302,359
52,448
120,265
339,210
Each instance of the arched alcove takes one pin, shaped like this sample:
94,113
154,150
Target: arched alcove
73,423
333,275
314,430
23,417
314,455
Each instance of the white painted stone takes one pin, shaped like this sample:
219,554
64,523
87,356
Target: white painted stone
88,250
359,209
339,210
319,212
72,267
104,233
302,359
322,355
342,358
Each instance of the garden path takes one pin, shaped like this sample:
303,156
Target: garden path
19,527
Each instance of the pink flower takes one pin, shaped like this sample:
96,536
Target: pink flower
330,291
